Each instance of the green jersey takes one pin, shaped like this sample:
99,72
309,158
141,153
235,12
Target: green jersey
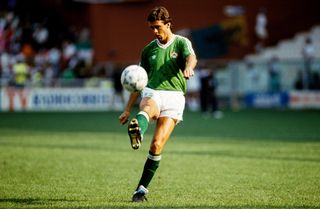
164,63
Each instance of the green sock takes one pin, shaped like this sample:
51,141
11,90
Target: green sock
143,120
149,170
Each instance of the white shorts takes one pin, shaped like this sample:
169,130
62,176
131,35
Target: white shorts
170,103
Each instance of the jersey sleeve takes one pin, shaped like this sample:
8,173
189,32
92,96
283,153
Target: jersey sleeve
187,48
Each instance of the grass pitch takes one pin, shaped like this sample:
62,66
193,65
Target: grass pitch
253,159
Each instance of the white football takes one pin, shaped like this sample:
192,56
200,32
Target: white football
134,78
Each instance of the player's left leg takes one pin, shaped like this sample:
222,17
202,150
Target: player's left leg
164,128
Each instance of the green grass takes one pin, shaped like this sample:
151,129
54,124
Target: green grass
253,159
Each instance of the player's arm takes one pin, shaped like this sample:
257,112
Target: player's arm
191,62
124,117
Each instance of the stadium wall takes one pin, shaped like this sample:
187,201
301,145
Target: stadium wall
120,30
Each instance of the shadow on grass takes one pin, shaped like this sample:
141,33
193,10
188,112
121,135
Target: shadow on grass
207,207
48,203
185,152
180,153
33,201
246,156
297,126
60,146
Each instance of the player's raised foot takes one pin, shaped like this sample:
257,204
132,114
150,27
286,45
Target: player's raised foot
134,132
140,194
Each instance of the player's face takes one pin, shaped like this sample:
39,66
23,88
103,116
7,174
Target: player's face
160,30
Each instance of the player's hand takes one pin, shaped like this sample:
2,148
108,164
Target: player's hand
188,72
124,117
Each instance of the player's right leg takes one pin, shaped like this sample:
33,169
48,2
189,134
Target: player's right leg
139,125
134,132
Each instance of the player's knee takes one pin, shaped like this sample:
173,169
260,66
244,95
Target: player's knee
156,148
150,107
147,109
150,111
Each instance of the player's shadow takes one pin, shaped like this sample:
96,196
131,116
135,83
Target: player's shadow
48,203
236,155
33,201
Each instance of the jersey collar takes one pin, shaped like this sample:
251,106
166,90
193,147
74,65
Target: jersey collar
164,46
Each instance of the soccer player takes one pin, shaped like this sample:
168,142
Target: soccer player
169,61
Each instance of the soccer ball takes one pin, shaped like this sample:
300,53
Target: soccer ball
134,78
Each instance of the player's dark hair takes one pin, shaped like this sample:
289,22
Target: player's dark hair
159,13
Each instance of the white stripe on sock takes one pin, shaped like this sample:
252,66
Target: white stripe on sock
154,158
144,114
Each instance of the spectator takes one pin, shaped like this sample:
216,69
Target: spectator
21,72
68,50
252,78
36,77
261,29
204,89
28,52
315,85
2,35
84,47
40,35
274,75
48,74
5,68
208,97
298,84
215,110
308,51
54,58
192,96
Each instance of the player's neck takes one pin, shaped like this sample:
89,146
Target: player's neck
168,39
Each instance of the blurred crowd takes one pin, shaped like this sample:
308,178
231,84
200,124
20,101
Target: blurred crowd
33,55
28,57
